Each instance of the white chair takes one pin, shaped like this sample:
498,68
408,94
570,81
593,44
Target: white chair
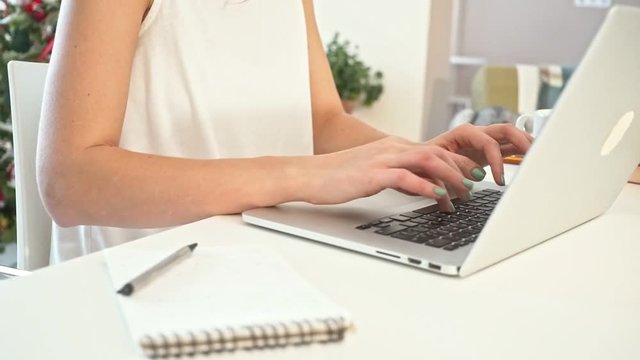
26,87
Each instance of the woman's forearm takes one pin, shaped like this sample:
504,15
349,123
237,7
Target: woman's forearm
109,186
343,131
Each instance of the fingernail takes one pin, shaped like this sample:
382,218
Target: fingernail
469,195
451,207
440,191
467,183
478,174
502,180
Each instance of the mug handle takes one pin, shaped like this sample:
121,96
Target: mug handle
525,123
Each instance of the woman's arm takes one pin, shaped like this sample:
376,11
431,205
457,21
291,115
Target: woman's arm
85,178
335,130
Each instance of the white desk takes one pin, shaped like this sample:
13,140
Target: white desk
575,297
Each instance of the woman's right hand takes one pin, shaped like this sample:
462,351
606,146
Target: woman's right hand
414,168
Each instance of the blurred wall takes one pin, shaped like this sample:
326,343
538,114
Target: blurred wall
392,37
530,31
511,32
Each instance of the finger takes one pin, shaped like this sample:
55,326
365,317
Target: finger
474,137
406,181
444,203
471,169
448,171
509,150
452,160
509,134
434,162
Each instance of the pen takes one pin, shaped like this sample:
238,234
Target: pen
515,159
147,275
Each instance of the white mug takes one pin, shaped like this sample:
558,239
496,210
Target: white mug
533,122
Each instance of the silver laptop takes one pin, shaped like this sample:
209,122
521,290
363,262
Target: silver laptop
572,174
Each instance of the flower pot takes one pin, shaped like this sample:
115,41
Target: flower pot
349,106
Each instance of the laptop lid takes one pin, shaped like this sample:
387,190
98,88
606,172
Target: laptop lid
583,157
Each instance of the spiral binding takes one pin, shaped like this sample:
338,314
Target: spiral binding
264,336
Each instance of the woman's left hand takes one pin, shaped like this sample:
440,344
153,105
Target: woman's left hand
484,145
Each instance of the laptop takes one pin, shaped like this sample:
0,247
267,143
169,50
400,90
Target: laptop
573,172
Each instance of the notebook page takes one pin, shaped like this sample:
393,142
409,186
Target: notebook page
216,287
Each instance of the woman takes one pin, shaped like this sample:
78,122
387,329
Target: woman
161,113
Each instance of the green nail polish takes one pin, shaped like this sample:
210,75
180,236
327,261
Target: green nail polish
451,207
469,195
478,174
502,180
440,191
467,183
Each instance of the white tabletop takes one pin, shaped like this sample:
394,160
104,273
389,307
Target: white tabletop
574,297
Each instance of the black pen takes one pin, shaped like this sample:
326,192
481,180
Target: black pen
147,275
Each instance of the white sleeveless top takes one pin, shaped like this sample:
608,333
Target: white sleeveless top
211,79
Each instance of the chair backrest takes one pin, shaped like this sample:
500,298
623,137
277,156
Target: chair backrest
26,87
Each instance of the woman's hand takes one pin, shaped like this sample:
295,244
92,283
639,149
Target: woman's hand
485,145
428,169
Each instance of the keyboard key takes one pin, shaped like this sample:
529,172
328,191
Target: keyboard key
438,243
424,237
405,235
411,215
363,227
427,210
472,238
448,229
390,229
458,226
399,218
440,215
451,247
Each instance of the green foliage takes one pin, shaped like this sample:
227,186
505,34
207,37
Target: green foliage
354,80
27,29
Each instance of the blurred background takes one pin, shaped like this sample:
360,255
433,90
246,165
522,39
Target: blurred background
492,58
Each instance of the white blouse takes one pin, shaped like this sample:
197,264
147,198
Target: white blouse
211,79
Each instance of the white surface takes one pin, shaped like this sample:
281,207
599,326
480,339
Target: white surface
392,37
574,297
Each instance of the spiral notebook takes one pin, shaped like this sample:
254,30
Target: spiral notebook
223,298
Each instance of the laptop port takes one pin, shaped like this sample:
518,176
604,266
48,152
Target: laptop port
387,254
435,266
414,261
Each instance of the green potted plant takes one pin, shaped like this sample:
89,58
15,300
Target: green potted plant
357,84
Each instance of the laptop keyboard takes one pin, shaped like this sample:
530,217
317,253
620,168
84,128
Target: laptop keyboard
432,227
